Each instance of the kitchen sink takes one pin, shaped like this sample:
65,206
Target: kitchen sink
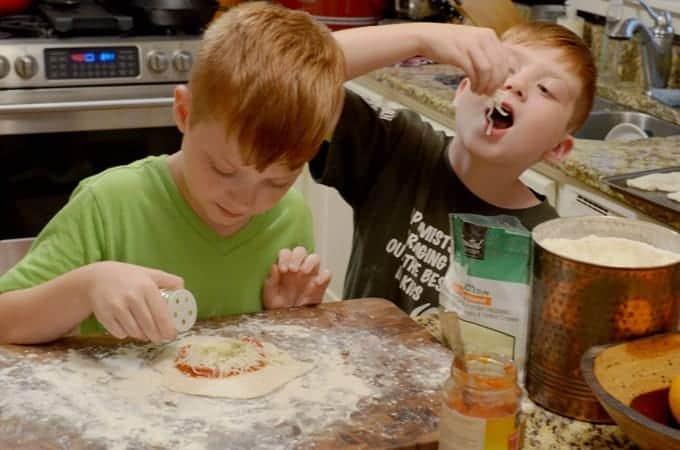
599,123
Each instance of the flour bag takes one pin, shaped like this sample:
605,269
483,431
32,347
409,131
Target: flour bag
488,286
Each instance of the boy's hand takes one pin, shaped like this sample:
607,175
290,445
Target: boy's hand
126,299
476,50
295,281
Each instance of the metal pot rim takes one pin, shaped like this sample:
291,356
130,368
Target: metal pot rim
576,227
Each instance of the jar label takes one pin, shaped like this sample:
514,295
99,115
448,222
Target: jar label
458,432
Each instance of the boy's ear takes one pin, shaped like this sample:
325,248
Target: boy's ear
560,151
459,90
182,107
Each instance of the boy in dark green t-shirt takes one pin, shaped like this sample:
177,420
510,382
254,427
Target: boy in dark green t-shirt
402,178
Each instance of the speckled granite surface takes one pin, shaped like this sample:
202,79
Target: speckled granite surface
589,161
546,431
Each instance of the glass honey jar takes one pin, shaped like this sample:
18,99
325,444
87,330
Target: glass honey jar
481,405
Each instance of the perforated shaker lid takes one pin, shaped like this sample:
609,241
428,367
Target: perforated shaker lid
182,307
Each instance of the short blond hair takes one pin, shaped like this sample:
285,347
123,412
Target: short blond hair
577,58
273,76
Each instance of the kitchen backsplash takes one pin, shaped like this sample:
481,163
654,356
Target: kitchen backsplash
630,66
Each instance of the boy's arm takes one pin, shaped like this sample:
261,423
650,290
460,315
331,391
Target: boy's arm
44,312
125,298
477,51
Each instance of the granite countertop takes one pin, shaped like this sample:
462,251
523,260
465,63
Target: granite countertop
545,430
430,87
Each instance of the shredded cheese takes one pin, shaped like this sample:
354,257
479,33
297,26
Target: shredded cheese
230,357
494,102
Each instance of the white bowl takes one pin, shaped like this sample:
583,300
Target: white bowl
625,132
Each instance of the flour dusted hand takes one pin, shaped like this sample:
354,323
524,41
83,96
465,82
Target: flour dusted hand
126,300
296,280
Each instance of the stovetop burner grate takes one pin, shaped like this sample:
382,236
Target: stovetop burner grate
47,19
24,25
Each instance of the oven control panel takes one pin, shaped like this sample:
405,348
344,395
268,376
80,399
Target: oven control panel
45,63
95,62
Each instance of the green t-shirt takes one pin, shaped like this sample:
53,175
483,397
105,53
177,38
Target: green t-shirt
136,214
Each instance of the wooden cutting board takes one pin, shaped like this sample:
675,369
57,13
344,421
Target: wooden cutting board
401,363
497,14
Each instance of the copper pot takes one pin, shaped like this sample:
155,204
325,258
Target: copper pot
577,305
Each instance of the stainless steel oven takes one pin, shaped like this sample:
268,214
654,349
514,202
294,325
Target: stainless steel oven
72,107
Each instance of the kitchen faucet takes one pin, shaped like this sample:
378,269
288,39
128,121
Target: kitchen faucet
656,43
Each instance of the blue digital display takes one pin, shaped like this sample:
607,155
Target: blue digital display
107,56
76,63
93,57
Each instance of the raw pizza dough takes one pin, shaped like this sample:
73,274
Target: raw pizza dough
230,354
675,196
611,251
667,182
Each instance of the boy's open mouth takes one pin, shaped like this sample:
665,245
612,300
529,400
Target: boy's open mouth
499,115
499,118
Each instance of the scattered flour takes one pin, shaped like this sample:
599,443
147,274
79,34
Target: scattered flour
111,398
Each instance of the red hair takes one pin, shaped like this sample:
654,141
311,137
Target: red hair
273,76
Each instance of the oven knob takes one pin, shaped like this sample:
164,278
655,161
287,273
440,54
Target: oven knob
4,67
182,61
157,61
26,66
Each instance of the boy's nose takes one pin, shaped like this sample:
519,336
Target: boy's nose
516,89
247,197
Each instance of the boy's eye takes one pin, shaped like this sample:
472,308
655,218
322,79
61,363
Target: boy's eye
278,185
223,173
545,90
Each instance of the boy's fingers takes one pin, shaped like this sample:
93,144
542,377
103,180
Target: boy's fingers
507,59
142,316
469,69
483,68
129,324
160,315
105,312
316,289
498,72
311,264
165,280
271,288
113,327
497,81
274,275
324,278
284,259
501,72
299,254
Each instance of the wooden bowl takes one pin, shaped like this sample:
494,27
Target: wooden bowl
618,373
